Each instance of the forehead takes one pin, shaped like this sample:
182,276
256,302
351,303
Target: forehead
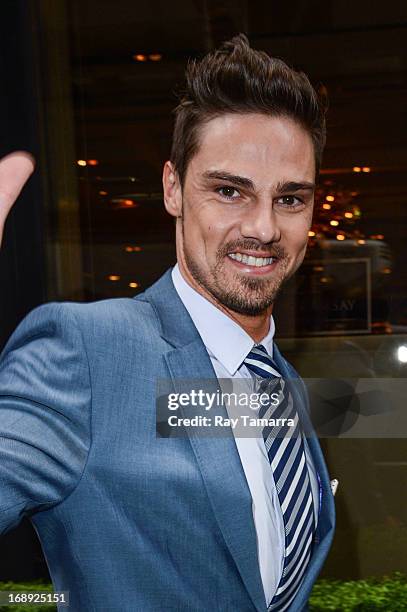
256,145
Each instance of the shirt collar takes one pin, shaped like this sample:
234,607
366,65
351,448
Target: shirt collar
223,338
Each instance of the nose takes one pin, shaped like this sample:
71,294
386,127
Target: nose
260,222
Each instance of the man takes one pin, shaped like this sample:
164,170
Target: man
129,521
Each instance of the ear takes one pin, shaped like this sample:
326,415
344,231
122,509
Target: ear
172,190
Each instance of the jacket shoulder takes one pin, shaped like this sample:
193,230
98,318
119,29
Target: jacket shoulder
116,315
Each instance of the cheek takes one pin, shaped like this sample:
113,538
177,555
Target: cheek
210,226
201,233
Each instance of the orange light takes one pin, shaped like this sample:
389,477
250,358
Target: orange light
361,241
81,162
123,202
102,193
93,162
114,277
133,284
357,169
349,215
133,249
380,237
326,206
334,222
365,169
330,198
386,270
140,57
155,57
311,233
318,268
340,237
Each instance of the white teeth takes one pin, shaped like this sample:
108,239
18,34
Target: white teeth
257,262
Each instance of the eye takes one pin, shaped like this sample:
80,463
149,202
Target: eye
289,201
230,193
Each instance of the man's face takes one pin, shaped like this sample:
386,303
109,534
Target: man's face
247,207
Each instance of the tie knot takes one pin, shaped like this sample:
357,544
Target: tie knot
260,362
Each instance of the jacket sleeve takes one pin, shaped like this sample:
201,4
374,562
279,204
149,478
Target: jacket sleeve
45,409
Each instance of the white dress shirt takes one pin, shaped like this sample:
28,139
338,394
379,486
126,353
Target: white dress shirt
228,345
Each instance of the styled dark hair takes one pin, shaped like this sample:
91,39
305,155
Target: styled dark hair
238,79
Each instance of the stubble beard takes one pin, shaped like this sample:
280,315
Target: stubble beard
239,293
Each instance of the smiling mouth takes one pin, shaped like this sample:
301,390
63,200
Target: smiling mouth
249,260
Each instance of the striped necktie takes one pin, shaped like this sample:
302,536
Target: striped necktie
286,453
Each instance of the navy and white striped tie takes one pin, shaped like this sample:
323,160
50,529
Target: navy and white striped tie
286,453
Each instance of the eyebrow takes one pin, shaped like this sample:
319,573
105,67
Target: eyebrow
242,181
295,186
221,175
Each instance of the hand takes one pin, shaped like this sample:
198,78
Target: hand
15,169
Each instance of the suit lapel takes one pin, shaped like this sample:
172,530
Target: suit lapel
301,398
217,457
326,518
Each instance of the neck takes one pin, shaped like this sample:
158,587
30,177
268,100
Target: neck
257,327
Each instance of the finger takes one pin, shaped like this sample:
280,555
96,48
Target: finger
15,169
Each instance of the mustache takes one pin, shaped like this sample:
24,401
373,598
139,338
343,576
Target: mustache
247,244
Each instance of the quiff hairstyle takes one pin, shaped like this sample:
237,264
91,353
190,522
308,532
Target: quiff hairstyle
238,79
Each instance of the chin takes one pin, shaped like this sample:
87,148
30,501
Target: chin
247,309
250,298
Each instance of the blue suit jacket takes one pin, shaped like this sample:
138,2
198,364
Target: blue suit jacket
128,521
